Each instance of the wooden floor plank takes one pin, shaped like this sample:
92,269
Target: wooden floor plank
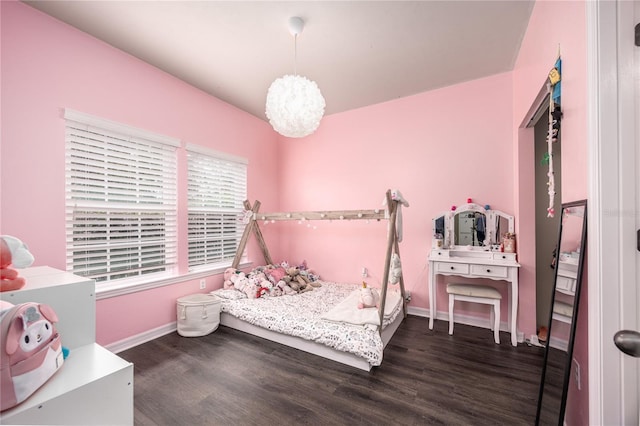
427,377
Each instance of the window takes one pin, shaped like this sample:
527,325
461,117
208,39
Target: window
217,188
121,197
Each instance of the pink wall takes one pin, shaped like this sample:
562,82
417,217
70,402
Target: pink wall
438,148
48,66
553,24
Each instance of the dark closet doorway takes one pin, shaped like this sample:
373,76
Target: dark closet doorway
546,227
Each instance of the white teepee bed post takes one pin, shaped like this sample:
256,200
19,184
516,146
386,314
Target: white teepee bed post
392,240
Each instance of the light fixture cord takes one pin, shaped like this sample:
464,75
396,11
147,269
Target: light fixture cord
295,54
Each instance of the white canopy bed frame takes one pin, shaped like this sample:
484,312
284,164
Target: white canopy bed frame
252,227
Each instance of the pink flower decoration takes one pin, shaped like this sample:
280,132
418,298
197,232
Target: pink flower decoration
453,208
469,200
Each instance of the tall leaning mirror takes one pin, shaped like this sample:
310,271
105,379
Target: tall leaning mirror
568,263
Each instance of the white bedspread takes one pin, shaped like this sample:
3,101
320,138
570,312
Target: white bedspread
300,315
347,310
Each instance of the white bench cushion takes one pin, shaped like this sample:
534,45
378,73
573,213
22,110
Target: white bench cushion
474,290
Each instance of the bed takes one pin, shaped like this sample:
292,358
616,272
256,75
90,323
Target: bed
306,329
313,322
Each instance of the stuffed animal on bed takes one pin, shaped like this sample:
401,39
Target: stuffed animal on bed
13,252
284,288
274,273
300,281
369,297
257,278
262,292
228,273
239,280
251,290
265,288
242,283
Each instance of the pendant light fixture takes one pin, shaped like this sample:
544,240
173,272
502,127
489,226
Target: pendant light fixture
295,105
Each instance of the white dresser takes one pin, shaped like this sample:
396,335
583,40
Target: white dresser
93,386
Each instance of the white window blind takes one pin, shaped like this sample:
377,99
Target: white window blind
217,187
121,208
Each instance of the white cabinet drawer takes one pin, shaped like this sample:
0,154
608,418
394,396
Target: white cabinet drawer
490,271
452,268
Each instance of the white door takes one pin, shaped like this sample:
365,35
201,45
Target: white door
614,210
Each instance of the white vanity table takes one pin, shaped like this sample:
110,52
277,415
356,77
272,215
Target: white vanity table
474,261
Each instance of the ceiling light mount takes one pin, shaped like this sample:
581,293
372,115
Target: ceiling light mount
296,25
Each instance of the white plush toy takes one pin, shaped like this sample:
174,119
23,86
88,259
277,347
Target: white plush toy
397,196
395,272
285,288
242,283
369,297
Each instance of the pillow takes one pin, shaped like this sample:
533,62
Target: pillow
277,273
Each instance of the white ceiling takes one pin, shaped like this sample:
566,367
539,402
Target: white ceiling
359,52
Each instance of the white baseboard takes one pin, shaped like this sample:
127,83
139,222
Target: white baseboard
463,319
141,338
149,335
419,312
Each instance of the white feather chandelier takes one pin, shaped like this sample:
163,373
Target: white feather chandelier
294,105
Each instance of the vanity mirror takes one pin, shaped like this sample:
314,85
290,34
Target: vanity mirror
568,263
438,231
472,226
503,224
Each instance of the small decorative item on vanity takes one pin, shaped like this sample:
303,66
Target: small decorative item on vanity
509,242
438,241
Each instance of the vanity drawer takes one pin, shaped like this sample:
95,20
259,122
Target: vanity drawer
452,268
439,254
490,271
504,256
566,285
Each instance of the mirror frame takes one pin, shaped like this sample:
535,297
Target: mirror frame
491,217
574,317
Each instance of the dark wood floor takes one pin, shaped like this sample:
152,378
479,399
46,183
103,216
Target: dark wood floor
427,377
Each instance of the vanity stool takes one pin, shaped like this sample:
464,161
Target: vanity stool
477,294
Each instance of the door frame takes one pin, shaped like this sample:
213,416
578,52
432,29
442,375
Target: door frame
548,241
613,298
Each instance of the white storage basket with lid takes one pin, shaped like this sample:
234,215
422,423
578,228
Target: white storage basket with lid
198,314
